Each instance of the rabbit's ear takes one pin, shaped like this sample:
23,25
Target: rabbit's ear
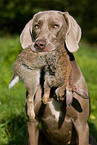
26,35
73,34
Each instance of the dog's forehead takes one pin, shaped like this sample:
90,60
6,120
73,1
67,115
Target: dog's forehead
49,15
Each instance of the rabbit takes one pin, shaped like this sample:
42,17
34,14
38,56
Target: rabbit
57,74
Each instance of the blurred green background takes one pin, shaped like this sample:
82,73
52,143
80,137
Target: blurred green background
15,14
13,17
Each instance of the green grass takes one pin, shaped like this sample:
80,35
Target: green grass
12,102
13,129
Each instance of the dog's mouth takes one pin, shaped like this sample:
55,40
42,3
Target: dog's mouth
42,46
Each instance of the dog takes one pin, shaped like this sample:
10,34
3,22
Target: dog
61,125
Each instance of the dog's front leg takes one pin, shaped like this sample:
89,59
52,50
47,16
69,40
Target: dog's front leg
33,132
83,133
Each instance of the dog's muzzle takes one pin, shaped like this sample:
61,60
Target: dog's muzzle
40,44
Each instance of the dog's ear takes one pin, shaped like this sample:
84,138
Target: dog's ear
26,35
73,34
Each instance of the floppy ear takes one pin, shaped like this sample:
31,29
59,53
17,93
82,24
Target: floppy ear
25,37
73,34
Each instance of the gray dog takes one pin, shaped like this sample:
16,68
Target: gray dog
61,125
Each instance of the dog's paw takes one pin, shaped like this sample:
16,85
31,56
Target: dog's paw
81,92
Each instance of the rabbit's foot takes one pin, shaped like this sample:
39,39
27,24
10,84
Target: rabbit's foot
69,96
60,92
30,109
31,114
45,98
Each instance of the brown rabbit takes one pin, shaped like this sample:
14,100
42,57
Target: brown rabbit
57,67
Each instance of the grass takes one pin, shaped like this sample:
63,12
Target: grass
12,102
13,129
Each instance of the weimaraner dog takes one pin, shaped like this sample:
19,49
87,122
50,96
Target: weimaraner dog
61,125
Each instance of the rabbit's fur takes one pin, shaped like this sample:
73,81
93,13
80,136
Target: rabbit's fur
57,71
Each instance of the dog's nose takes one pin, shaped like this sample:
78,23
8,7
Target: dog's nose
40,44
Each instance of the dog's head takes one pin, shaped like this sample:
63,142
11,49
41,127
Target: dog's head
49,30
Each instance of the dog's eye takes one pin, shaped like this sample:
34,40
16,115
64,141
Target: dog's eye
55,26
36,26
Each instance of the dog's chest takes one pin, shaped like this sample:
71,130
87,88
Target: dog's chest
55,108
57,127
